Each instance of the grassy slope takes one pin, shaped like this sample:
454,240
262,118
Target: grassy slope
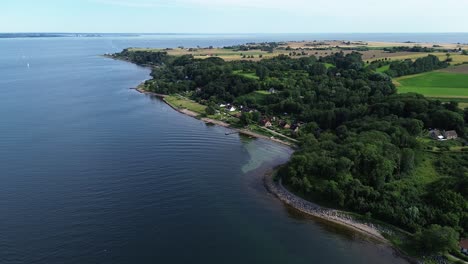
383,68
251,75
257,96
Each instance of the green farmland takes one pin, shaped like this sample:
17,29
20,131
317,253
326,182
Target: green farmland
435,84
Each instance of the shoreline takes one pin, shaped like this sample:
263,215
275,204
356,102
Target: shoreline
329,215
277,189
284,195
281,193
244,132
309,208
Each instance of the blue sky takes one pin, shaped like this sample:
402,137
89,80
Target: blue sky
233,16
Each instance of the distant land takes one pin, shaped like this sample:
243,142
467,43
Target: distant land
62,35
454,38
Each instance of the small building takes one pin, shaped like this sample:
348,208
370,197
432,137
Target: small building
464,246
436,134
272,90
295,131
232,109
266,123
287,126
451,134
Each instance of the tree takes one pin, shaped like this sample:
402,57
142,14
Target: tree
256,117
407,160
437,239
210,110
246,118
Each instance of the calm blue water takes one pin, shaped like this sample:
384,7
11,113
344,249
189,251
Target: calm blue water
93,172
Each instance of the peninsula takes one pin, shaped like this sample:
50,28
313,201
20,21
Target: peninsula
376,141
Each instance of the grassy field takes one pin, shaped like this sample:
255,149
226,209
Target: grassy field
257,96
251,75
185,103
383,68
436,84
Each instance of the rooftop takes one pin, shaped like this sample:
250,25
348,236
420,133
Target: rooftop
464,243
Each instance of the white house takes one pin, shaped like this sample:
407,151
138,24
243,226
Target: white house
232,109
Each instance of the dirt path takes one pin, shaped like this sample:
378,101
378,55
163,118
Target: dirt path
279,134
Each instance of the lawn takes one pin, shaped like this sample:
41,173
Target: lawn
383,68
250,75
258,97
185,103
435,84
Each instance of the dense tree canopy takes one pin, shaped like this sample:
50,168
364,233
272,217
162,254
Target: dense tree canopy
408,66
359,146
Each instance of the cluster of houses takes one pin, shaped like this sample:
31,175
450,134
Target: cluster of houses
436,134
232,108
294,127
265,122
228,107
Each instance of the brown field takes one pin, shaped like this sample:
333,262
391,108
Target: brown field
369,44
428,45
457,58
230,55
372,55
310,48
457,69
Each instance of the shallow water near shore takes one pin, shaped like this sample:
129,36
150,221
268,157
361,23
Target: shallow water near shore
94,172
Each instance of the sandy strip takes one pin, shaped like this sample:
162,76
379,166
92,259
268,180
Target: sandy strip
143,91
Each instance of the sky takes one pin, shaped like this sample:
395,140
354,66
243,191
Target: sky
234,16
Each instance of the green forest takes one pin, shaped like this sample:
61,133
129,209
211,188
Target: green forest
363,147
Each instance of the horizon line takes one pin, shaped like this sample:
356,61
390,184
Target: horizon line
223,33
